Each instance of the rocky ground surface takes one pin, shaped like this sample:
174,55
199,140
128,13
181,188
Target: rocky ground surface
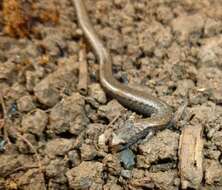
57,136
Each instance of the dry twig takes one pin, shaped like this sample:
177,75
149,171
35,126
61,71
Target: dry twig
83,72
21,168
191,156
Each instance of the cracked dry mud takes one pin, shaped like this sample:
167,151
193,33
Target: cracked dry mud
171,49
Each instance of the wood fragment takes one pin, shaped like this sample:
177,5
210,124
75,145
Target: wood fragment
191,157
83,72
115,118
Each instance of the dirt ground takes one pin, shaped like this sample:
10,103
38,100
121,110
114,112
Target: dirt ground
57,136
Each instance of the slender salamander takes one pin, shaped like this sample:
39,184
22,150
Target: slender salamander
161,113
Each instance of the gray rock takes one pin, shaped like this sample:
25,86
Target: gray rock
127,157
126,174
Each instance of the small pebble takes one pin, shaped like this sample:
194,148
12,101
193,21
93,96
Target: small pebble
127,158
2,145
126,174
